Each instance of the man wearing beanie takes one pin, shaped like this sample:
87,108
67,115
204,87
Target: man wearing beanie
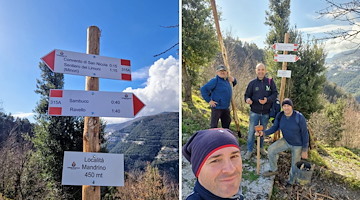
218,92
295,138
260,94
215,159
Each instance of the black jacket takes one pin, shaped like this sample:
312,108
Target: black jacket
258,89
200,193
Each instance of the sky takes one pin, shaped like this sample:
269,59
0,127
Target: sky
135,30
245,20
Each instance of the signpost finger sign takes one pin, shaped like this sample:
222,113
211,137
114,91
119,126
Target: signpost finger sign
93,103
82,64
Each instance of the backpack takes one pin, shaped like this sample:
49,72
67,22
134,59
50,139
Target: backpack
275,107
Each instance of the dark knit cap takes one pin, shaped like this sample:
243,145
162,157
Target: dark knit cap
288,102
204,143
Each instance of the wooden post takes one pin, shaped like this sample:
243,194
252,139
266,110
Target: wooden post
284,67
226,62
257,129
283,83
91,139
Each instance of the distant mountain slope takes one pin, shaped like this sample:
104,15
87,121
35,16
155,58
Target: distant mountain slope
344,70
153,139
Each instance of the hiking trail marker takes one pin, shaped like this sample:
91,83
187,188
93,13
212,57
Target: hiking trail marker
94,169
83,64
286,58
285,47
93,103
284,73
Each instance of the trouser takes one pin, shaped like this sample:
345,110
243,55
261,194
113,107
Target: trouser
280,146
255,118
223,115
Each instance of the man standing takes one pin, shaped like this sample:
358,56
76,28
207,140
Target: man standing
260,94
215,159
295,137
218,92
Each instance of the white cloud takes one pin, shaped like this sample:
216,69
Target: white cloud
161,92
29,116
140,74
334,46
324,29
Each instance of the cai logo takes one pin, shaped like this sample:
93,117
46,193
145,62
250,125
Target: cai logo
126,96
61,54
73,166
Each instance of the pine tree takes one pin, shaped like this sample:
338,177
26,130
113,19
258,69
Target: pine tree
199,42
307,75
53,136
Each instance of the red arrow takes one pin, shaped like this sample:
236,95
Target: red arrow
274,46
49,60
297,58
138,105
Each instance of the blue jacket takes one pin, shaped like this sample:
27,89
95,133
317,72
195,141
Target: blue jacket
219,90
258,89
200,193
293,128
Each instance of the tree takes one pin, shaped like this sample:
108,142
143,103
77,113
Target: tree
346,12
199,42
53,136
307,75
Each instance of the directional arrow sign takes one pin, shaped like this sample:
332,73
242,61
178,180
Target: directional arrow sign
93,103
82,64
285,47
97,169
286,58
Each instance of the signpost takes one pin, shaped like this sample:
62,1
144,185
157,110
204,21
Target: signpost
93,103
285,47
91,170
82,64
94,169
286,58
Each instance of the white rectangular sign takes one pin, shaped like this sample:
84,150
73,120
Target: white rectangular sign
285,47
93,103
284,73
286,58
83,64
97,169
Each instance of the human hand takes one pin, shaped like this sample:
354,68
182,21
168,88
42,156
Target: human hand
213,103
304,155
259,133
263,101
249,101
231,79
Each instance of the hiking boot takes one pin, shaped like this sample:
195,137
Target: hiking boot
263,152
269,173
248,155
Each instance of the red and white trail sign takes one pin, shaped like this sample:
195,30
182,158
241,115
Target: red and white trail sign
285,47
286,58
93,104
83,64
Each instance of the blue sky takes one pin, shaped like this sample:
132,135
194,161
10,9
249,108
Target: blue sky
245,20
129,30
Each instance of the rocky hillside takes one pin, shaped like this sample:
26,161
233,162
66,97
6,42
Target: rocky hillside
150,139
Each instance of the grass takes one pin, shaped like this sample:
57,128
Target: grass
342,154
250,175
